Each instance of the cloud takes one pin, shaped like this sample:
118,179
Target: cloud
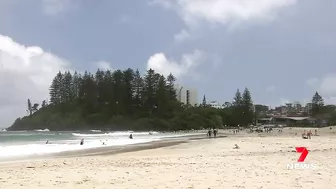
312,82
327,86
270,89
182,36
128,19
163,3
25,72
104,65
55,7
186,66
226,11
284,101
223,12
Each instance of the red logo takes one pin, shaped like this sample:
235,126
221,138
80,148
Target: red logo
304,152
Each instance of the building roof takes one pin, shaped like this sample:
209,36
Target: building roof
292,118
298,118
265,119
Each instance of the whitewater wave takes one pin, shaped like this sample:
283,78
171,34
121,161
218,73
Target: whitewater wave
62,146
112,134
42,130
96,131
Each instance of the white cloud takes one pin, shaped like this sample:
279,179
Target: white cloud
25,72
270,88
104,65
186,66
55,7
224,12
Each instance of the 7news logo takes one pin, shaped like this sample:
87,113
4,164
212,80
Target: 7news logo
301,165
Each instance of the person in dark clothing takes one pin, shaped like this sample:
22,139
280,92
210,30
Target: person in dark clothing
82,141
131,136
209,133
215,132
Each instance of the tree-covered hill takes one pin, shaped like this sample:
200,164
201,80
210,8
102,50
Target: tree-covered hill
125,100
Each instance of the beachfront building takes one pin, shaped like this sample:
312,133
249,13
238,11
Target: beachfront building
215,104
288,121
186,95
308,108
293,109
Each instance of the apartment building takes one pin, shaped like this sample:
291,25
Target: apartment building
186,95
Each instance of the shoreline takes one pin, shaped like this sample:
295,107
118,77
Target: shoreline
111,150
194,162
163,142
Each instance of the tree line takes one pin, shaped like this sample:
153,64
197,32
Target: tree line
126,99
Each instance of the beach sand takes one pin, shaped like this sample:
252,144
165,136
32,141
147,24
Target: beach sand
259,163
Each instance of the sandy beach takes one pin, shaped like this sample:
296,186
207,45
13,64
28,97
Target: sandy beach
259,163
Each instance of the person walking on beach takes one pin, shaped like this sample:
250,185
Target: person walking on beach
209,133
215,132
309,134
305,134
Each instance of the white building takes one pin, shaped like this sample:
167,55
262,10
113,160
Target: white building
186,95
216,105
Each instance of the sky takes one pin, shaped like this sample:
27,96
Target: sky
282,50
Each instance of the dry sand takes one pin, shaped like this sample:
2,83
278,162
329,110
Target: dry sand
261,162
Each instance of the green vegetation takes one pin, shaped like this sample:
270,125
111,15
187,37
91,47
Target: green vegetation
322,111
125,100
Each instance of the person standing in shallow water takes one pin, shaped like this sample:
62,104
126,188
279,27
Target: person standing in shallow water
82,141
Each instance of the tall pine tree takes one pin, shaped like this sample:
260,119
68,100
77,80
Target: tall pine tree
204,102
247,108
317,104
30,108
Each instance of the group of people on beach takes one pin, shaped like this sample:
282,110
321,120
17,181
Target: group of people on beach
214,132
235,131
308,134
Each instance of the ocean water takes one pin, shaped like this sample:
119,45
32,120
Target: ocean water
18,144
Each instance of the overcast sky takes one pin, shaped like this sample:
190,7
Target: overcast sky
282,50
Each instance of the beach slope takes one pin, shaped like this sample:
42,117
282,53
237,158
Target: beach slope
260,162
